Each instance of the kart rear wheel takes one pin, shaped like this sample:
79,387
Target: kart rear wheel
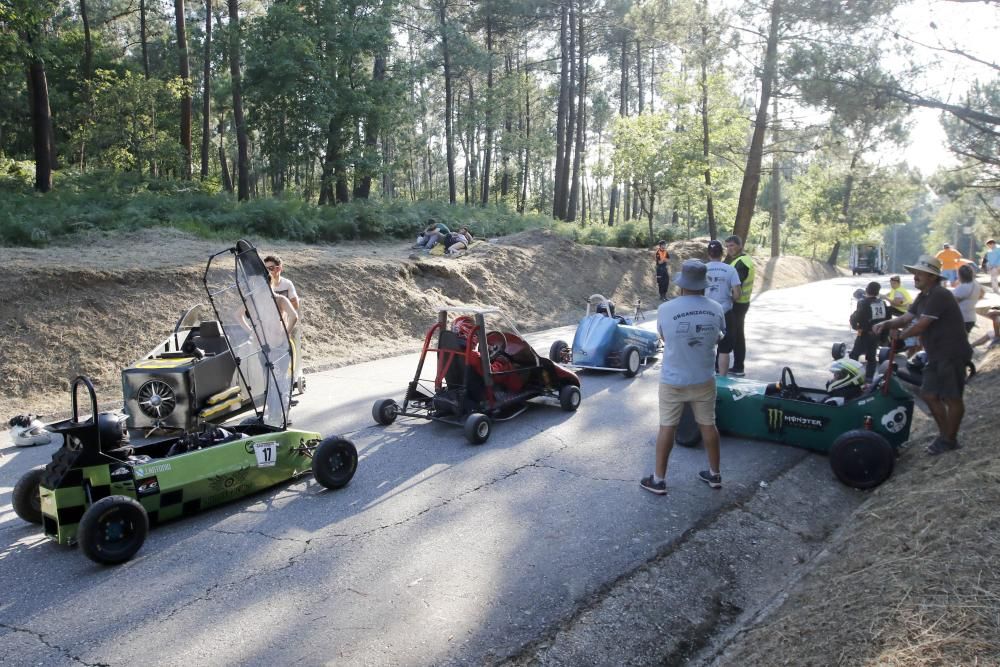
632,361
334,462
569,398
384,411
113,529
687,434
862,459
557,352
838,351
26,499
478,428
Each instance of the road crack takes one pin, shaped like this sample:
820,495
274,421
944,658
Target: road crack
41,638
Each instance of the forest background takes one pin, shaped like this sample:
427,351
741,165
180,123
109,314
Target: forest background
613,121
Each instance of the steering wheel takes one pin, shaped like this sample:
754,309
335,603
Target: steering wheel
788,387
496,343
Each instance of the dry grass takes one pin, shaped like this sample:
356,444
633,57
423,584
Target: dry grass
914,578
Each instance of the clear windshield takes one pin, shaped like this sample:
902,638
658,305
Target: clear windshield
242,298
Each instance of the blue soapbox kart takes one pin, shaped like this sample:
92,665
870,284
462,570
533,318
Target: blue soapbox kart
607,342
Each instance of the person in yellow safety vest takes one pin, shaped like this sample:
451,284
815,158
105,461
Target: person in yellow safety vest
899,299
743,264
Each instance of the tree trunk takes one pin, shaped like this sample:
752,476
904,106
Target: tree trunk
622,111
638,75
143,38
88,74
206,102
775,187
372,130
488,140
574,193
713,230
449,101
243,161
562,112
227,179
527,138
184,68
751,176
41,123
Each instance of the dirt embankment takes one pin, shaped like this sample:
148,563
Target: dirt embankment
95,306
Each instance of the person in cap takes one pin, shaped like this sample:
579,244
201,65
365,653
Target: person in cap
935,317
871,310
991,263
724,287
743,264
690,326
950,259
662,259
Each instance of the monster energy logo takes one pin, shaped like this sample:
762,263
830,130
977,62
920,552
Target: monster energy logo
777,420
774,420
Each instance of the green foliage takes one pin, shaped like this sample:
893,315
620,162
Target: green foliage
108,201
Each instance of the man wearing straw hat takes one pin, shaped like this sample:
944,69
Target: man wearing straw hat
935,317
690,326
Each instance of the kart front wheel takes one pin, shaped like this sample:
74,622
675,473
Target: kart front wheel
632,360
334,462
862,459
557,352
384,411
569,398
113,529
26,499
477,428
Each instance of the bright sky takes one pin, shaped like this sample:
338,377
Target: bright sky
972,27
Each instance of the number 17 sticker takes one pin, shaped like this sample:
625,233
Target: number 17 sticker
267,453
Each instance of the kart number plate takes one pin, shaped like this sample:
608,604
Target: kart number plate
267,453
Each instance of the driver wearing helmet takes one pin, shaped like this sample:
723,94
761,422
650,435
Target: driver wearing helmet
847,382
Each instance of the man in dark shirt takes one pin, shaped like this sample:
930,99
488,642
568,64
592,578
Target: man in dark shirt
870,311
936,318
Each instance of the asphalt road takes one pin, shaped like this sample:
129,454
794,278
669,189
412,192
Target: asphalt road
438,552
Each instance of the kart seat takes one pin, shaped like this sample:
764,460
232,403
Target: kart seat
209,338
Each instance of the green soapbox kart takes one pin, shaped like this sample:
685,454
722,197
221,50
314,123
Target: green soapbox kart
107,484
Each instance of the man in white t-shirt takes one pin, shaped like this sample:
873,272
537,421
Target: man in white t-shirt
690,326
724,288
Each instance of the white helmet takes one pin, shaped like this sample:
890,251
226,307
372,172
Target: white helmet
846,372
28,431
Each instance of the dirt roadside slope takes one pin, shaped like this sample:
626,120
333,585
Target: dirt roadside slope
94,306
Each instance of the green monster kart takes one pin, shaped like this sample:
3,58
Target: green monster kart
104,488
861,434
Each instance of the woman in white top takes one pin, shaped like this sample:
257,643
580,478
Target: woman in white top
967,293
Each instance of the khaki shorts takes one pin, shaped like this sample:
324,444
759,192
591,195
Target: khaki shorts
701,397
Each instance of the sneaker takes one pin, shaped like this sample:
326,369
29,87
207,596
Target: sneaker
714,481
659,488
940,446
736,373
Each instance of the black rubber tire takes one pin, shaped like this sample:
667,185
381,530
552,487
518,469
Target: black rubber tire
570,397
557,351
838,351
633,361
477,428
687,434
300,385
862,459
113,529
334,462
25,498
384,411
